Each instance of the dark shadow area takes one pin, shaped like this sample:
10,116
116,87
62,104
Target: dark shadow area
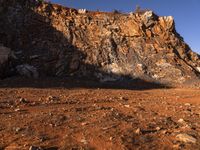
71,83
36,36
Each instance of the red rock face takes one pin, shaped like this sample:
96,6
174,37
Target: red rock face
60,41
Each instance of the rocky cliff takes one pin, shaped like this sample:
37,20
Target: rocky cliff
41,39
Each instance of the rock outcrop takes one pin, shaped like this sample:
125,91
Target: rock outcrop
60,41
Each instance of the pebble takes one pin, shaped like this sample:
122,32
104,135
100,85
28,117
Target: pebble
138,131
186,138
52,98
127,106
187,104
123,98
181,121
158,128
17,109
18,129
35,148
84,123
164,132
84,141
23,100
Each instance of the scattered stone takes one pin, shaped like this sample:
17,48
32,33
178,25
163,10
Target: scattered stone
138,131
127,106
123,98
186,138
17,109
84,123
23,100
187,104
164,132
158,128
35,148
84,141
181,121
52,98
18,129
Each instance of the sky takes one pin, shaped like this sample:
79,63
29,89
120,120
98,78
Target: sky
185,12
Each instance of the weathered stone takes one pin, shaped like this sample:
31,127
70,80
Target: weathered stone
35,148
27,71
198,69
82,11
167,22
186,138
148,18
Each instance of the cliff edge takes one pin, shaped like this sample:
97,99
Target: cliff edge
42,39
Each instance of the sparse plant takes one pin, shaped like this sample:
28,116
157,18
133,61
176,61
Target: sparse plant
137,9
115,11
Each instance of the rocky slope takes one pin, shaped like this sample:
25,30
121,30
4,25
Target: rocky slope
39,40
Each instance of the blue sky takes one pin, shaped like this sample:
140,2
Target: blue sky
185,12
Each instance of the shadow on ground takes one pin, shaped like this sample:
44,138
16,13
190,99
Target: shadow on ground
71,83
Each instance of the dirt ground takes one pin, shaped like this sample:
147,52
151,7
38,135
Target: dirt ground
66,114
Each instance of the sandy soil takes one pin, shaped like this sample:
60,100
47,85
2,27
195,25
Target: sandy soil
77,115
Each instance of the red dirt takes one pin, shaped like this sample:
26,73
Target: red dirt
53,116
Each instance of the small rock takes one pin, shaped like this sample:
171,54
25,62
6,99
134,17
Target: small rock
35,148
181,121
138,131
127,106
84,123
17,109
187,104
177,146
186,138
84,141
164,132
52,98
23,100
123,98
18,129
158,128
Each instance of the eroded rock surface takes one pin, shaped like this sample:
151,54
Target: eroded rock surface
60,41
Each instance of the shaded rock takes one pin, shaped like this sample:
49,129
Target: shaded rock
27,71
